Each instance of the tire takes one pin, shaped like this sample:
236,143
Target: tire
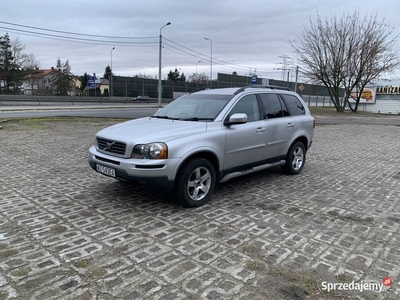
295,159
195,182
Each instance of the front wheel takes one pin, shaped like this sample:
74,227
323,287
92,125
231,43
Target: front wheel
295,159
195,182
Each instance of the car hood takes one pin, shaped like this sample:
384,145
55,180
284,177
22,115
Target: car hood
147,130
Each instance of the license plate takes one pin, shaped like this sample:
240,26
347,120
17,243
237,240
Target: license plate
105,170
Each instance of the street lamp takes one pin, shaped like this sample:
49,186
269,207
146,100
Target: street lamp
210,60
182,73
159,68
196,66
197,75
111,75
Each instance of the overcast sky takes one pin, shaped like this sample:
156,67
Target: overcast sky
247,36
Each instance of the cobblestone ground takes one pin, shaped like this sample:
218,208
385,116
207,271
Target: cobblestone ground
67,232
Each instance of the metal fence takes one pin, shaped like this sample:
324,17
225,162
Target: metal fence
324,101
127,88
134,86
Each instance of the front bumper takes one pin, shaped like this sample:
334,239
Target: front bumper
154,173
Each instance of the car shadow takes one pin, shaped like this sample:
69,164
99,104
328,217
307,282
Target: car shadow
133,193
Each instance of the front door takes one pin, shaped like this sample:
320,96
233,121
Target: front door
245,143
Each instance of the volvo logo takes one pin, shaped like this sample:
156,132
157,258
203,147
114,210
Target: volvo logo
108,147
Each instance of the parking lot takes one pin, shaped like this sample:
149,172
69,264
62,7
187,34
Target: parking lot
67,232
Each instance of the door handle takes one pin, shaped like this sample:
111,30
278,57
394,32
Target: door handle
260,129
290,125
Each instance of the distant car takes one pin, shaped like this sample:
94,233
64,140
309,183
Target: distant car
142,98
206,137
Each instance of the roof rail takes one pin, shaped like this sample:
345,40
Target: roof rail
202,89
259,86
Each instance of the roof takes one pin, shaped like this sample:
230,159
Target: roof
40,73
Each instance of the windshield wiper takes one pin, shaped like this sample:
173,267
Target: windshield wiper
196,119
164,117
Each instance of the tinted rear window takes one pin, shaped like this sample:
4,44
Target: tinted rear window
272,106
294,105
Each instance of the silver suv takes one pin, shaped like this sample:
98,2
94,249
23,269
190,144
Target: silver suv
205,137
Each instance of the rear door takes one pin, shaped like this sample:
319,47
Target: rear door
279,126
298,114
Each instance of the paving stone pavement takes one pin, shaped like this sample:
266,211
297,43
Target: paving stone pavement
67,232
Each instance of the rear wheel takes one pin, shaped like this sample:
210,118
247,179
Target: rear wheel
295,159
195,182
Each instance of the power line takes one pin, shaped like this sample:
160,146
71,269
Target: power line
216,61
202,56
92,42
75,39
180,51
187,54
120,41
74,33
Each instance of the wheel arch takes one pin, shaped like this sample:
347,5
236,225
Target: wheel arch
303,139
206,154
288,167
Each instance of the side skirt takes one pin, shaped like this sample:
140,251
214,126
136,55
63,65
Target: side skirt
229,176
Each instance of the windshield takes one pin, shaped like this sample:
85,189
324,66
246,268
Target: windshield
194,107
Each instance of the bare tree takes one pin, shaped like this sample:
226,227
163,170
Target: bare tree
62,79
31,63
20,59
140,75
199,78
346,53
32,75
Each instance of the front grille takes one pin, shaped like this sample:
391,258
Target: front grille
111,146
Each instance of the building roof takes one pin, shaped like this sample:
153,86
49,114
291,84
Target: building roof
40,73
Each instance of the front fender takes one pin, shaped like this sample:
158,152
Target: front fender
209,144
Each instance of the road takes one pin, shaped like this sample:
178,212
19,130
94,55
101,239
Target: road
139,110
124,113
55,109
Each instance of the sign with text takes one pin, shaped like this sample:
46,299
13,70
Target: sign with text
91,82
388,90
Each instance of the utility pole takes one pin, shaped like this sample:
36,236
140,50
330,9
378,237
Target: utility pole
159,67
285,67
297,76
111,77
210,61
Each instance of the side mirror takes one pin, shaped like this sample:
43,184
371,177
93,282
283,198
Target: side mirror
238,118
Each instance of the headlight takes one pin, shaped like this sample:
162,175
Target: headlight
150,151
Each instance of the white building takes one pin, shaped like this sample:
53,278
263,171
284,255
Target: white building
39,82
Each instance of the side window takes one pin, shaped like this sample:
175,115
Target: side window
284,108
249,106
294,105
272,106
